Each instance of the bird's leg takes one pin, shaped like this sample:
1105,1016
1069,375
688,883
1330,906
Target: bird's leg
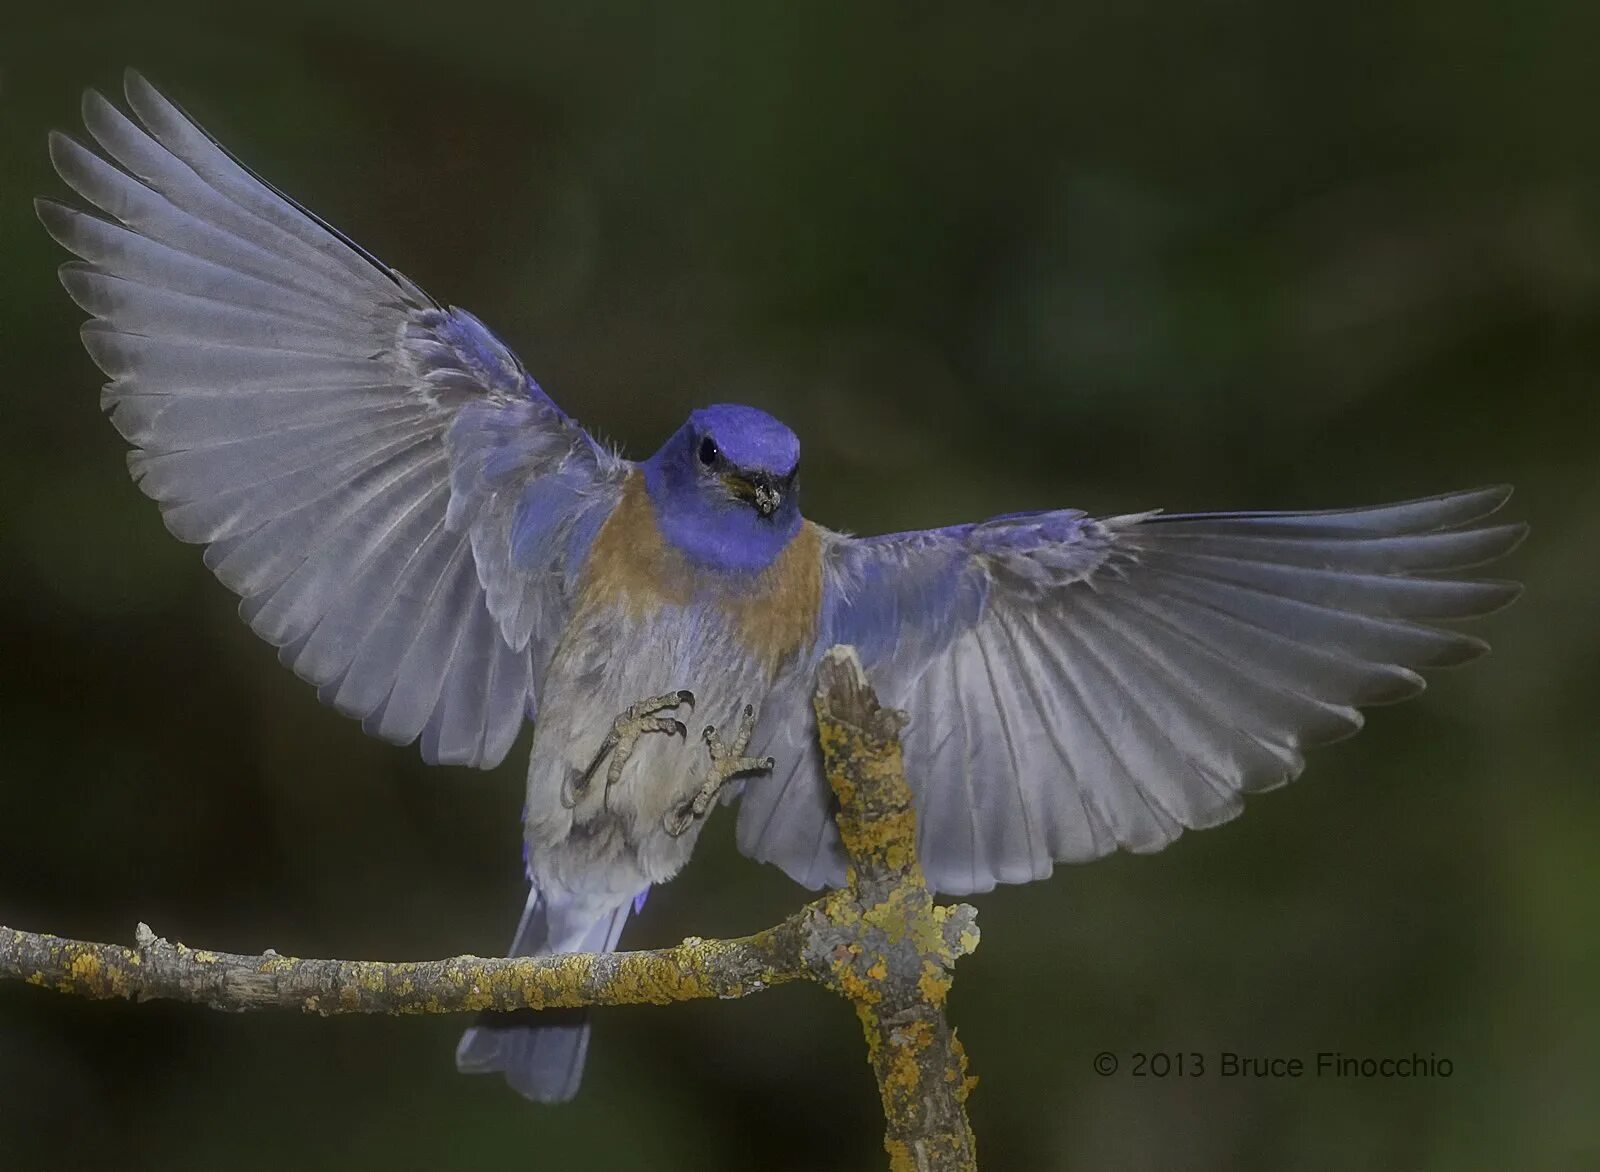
727,762
626,729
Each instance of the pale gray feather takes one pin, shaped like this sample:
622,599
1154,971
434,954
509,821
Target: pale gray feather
298,407
1076,686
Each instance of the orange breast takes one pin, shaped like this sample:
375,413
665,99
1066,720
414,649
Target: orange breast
634,568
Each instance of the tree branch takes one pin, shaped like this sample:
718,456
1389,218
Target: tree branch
887,947
880,942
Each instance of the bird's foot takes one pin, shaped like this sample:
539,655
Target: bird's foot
626,729
727,762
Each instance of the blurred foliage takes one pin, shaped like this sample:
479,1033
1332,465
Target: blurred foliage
982,258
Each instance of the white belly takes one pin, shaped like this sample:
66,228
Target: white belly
611,843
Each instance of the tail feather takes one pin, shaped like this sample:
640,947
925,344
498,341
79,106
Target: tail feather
541,1054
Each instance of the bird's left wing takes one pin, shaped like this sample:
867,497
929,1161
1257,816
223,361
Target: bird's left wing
1078,685
400,506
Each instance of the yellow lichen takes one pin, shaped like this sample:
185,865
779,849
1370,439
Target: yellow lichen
86,967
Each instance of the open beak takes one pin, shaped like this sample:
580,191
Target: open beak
767,499
760,492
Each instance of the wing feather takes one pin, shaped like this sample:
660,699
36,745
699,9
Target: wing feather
148,309
357,458
125,253
1076,686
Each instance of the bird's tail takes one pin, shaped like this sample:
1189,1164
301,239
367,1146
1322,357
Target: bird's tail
541,1053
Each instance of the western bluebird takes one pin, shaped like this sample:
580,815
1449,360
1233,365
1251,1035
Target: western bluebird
440,550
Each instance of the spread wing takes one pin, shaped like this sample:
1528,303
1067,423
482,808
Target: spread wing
399,505
1078,685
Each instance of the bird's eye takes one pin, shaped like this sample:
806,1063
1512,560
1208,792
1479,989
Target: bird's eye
708,451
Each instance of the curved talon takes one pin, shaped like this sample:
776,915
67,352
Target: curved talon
623,736
727,761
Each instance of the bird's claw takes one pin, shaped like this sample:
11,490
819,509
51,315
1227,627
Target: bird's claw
626,729
727,762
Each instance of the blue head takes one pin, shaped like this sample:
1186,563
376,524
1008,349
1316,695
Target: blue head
725,487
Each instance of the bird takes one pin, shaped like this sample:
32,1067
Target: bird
445,554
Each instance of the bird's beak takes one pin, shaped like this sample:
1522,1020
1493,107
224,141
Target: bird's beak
760,492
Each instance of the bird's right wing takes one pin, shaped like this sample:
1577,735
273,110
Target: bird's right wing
402,509
1076,685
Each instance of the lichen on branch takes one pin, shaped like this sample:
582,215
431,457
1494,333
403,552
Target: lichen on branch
880,942
888,947
155,969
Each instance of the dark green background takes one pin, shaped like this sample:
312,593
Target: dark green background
982,258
